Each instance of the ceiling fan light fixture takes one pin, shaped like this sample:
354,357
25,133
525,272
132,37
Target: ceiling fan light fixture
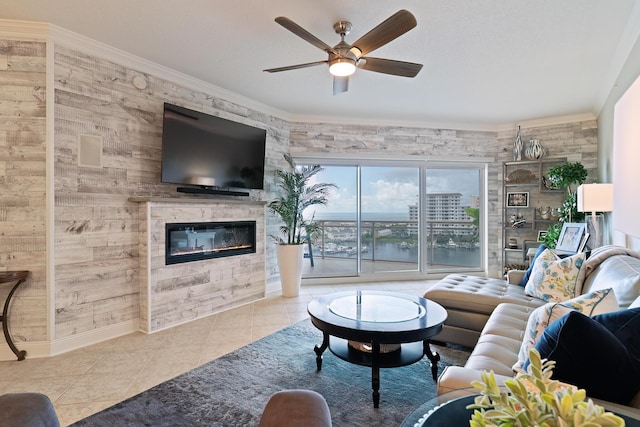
342,67
344,58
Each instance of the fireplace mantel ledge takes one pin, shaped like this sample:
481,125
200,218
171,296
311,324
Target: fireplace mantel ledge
194,200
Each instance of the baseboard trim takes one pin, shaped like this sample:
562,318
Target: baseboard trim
40,349
85,339
34,350
273,287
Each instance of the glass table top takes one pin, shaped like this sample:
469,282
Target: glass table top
376,308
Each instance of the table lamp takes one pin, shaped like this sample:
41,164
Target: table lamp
595,198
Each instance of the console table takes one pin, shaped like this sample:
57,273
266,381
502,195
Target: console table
17,277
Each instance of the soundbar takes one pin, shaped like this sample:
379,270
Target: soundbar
205,190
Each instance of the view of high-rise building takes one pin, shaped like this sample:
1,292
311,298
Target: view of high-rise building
444,214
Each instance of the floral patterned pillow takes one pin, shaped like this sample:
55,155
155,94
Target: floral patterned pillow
556,279
597,302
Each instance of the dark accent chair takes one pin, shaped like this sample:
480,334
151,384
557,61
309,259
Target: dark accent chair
27,410
294,408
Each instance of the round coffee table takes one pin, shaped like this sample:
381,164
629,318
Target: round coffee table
377,329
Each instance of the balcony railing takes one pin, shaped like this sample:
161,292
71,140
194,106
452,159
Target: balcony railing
338,239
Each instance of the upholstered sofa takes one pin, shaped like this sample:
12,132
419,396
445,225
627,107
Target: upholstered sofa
491,315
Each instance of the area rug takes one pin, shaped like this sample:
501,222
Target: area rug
234,389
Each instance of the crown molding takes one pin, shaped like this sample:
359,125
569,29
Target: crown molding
126,59
60,36
44,31
550,121
459,126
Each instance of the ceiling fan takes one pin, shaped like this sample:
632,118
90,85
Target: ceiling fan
344,57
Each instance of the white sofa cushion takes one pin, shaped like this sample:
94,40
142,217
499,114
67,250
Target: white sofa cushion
620,272
597,302
555,279
500,341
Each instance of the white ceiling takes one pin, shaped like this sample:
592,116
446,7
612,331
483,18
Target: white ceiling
486,62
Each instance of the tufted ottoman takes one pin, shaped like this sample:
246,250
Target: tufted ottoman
469,301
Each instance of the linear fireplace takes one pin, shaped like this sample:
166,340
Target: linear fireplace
195,241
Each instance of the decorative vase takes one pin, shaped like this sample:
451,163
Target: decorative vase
518,145
290,259
534,150
545,213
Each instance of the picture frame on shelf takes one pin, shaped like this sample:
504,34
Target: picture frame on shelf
571,236
541,235
584,241
518,199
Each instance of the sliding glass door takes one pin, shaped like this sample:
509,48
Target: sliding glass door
386,228
396,217
334,252
452,218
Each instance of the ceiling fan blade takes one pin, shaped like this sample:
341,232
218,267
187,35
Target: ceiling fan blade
294,67
304,34
340,84
389,66
393,27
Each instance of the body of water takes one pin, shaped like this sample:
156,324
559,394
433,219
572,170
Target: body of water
455,256
366,216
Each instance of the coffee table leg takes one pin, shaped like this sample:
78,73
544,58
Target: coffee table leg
434,357
375,373
321,349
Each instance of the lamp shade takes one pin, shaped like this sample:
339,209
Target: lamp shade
595,198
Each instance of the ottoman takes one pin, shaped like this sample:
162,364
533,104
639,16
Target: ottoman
469,301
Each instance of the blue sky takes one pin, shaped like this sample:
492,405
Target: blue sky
391,189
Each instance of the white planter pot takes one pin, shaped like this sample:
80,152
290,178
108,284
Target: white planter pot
290,258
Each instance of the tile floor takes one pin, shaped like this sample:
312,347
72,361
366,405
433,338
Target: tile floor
90,379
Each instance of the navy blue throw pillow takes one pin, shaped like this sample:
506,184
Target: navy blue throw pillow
527,273
625,325
590,356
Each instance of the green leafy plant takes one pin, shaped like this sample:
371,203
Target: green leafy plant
550,238
569,209
564,176
474,214
298,193
534,399
567,174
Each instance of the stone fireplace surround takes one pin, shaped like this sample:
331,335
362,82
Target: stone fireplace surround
178,293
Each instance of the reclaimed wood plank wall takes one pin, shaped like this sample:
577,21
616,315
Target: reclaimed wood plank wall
96,226
23,184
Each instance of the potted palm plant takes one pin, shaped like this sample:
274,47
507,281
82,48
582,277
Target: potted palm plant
297,193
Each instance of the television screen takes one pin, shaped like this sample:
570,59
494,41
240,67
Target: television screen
211,152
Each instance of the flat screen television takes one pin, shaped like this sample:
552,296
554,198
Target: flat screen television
210,154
